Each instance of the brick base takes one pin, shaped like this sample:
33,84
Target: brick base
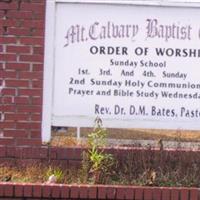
60,191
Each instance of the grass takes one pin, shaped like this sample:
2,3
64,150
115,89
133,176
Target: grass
66,141
68,138
29,173
183,135
37,172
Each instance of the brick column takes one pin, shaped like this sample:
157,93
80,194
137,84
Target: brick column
21,71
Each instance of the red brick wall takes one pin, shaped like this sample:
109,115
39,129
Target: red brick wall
45,191
21,71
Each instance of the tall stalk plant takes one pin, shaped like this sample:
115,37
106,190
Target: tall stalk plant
96,161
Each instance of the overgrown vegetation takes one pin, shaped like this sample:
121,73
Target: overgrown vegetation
160,168
145,166
137,167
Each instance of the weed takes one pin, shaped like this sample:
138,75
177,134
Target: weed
57,172
96,162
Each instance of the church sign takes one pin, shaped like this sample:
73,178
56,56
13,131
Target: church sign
131,65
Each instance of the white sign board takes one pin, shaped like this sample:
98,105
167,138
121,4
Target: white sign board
133,66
